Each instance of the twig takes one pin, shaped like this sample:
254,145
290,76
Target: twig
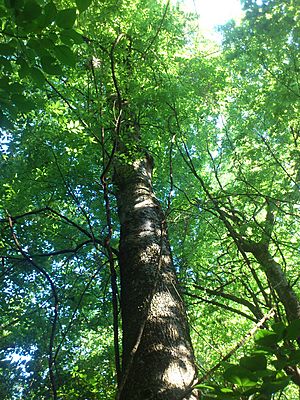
256,312
55,296
113,72
241,343
72,194
221,305
66,331
158,29
113,275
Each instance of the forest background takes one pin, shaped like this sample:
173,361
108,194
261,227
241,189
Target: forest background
220,124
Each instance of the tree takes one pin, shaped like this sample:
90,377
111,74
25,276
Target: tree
252,188
157,354
98,97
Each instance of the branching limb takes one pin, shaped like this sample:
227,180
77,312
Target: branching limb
220,305
68,328
55,313
233,298
158,29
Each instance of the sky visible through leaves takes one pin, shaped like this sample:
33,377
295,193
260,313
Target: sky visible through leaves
213,13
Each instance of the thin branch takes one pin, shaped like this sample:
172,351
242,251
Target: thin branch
72,108
233,298
113,275
16,217
278,161
64,334
70,222
55,297
241,343
64,251
158,29
72,194
221,305
113,71
238,240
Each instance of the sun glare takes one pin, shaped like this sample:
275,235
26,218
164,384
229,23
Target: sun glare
212,13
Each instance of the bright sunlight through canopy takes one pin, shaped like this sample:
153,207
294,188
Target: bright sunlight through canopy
213,13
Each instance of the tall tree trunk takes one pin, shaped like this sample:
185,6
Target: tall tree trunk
158,361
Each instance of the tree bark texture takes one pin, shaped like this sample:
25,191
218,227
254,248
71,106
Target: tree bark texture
158,361
278,281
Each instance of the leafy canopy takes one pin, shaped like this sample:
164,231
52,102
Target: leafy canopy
222,125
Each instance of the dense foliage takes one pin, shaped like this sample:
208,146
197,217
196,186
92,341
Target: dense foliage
222,125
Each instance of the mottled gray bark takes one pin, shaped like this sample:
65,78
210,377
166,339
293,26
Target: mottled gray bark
279,282
158,361
285,292
276,277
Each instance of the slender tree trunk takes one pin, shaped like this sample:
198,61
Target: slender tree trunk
158,361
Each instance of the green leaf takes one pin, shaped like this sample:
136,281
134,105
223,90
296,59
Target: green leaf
266,338
226,390
5,101
275,386
37,76
17,4
47,43
22,103
70,36
42,52
50,65
24,68
83,5
294,357
293,330
16,87
65,55
254,363
264,373
50,12
280,364
203,386
5,65
4,83
34,44
279,328
66,18
240,376
32,10
6,49
5,122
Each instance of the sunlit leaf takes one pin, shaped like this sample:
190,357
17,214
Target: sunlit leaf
240,376
266,338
